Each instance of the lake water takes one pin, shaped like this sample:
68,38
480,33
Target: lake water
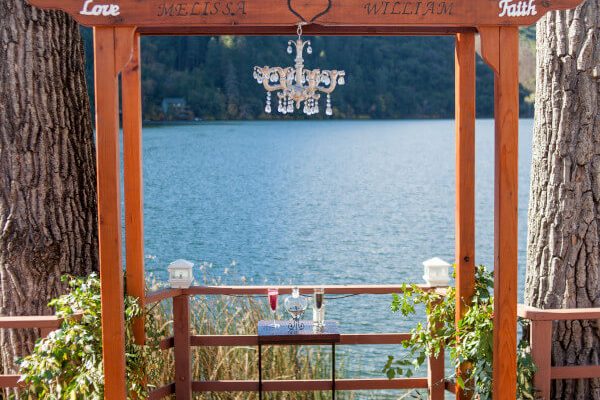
326,202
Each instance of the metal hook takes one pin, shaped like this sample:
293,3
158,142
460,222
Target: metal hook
299,30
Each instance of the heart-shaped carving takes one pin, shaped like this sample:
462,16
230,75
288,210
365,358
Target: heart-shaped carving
309,10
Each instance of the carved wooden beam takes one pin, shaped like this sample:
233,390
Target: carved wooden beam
327,13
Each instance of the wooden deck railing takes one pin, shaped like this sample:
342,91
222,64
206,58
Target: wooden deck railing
541,345
182,341
45,324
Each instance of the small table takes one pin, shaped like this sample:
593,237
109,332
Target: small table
283,335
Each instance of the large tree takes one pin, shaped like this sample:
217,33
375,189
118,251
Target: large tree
563,256
47,166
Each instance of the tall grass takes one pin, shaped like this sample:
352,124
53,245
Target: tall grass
233,315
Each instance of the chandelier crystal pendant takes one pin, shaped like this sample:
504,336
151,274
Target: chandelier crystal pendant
296,86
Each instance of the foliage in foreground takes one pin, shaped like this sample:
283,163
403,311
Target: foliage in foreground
473,345
68,364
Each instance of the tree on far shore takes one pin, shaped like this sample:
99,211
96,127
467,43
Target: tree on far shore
48,216
563,255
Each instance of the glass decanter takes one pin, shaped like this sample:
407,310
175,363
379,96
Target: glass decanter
296,305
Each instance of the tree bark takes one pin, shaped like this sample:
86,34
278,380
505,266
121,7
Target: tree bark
563,258
48,224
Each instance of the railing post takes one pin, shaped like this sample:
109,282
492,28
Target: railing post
541,352
181,333
436,383
436,379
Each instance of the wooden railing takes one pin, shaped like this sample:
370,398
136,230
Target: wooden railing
45,324
182,341
541,346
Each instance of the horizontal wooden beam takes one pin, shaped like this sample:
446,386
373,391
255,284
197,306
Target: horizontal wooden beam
162,294
165,294
30,322
310,30
167,343
307,289
252,340
309,385
572,314
162,392
575,372
336,14
10,381
450,386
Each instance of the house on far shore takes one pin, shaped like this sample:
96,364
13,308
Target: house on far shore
176,109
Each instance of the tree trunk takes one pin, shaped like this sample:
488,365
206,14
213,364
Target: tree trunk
563,258
47,166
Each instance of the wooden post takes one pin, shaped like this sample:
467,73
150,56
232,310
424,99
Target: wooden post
465,179
109,211
541,352
436,374
506,214
183,362
133,182
436,377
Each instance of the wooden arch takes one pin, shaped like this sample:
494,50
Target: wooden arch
118,25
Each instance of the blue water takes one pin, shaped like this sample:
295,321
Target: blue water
318,203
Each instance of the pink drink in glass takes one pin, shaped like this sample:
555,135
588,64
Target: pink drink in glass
273,295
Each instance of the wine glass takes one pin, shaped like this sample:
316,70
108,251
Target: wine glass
273,294
318,308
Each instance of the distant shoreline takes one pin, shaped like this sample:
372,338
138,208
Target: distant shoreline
226,121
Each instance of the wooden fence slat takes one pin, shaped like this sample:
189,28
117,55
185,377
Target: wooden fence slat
541,348
160,295
9,381
252,340
329,290
30,322
575,372
162,392
309,385
564,314
183,359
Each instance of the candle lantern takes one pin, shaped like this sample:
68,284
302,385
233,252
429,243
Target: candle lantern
436,272
180,274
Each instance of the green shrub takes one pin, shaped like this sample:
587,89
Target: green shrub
474,345
68,363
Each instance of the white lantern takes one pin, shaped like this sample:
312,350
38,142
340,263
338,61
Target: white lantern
436,272
180,274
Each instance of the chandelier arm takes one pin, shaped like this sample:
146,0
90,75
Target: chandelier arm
327,90
270,88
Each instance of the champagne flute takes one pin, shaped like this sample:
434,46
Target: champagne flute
273,294
318,310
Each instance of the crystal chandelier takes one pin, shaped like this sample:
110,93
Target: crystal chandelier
298,86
